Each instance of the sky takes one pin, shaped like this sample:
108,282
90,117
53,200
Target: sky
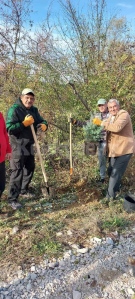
124,8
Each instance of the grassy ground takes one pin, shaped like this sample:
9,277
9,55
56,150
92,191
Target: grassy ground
45,227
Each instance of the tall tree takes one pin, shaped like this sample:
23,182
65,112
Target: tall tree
13,27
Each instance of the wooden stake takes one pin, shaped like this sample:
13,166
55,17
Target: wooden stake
71,164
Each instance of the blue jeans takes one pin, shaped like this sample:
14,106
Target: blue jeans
102,159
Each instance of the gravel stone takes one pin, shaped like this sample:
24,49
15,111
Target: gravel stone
99,271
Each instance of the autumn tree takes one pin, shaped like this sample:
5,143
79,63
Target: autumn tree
13,28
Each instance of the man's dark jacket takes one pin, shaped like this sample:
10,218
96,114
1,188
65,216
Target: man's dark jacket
15,116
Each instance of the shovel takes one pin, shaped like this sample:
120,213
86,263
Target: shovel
40,158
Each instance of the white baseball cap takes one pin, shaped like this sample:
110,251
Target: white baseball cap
27,90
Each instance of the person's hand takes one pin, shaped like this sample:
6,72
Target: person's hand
29,120
104,122
8,156
97,121
43,127
73,121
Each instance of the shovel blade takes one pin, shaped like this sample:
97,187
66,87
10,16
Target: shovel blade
48,192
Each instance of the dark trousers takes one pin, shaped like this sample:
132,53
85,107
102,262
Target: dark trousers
116,169
22,170
2,177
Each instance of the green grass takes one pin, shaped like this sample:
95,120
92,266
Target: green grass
47,247
115,222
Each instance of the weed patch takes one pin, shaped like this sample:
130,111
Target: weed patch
115,223
47,247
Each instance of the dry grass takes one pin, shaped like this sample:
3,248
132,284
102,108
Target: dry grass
76,211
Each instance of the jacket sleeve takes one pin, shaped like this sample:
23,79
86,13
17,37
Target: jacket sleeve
8,149
80,123
118,124
12,124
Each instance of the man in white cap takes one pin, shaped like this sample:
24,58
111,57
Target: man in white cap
20,117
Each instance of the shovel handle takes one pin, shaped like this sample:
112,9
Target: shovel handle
39,153
71,164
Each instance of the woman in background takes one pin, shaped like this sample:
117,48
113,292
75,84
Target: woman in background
5,152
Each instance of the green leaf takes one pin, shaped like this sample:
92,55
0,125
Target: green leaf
92,132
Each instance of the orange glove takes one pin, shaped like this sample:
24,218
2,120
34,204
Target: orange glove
43,127
97,121
29,120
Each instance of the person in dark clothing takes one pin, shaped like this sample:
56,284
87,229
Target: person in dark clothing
5,152
102,114
19,119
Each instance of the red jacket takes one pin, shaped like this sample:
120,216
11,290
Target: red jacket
4,140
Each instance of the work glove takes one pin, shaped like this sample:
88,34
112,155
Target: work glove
73,121
29,120
42,127
97,121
